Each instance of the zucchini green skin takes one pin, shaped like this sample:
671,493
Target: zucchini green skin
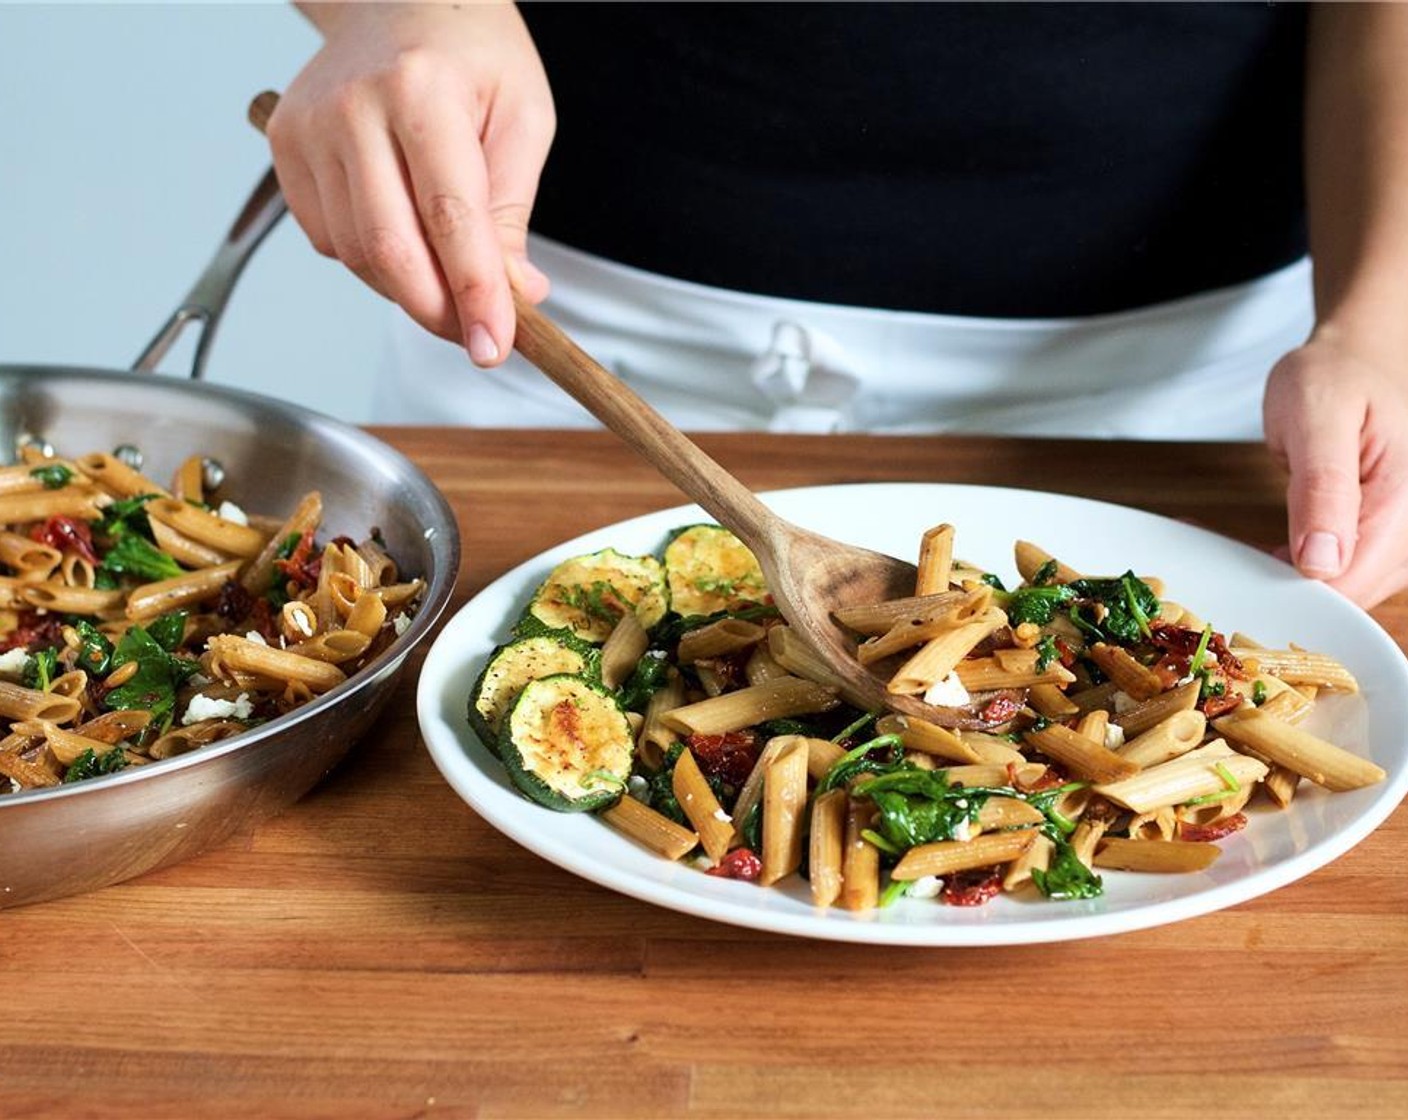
560,729
586,595
513,665
708,569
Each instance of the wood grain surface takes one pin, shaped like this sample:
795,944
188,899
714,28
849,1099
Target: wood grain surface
379,951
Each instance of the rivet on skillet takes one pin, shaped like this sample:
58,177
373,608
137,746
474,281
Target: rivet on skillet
126,453
29,441
212,474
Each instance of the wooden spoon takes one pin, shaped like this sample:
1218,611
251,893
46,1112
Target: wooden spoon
809,575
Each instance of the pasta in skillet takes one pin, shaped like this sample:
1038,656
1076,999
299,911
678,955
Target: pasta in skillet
139,622
1118,730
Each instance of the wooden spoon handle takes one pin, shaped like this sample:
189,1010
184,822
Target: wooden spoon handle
606,397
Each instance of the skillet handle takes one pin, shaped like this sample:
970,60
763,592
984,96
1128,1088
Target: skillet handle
206,300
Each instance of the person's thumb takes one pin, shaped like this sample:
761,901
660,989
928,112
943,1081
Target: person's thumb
1321,447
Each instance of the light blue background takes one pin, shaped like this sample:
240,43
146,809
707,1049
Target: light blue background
124,157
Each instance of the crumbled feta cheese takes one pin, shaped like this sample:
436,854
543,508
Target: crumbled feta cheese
720,815
1124,702
1114,736
206,707
963,830
15,787
926,886
14,660
638,787
948,693
256,637
300,620
401,623
704,863
231,512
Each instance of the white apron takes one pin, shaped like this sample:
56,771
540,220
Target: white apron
714,359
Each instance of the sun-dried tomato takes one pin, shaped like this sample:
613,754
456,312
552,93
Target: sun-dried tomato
730,757
741,863
67,534
1183,643
972,888
303,564
1214,830
1000,709
34,631
1215,706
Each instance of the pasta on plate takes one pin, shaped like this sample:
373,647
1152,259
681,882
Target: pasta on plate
1120,731
139,622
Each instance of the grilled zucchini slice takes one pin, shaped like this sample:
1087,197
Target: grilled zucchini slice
587,595
512,666
708,570
566,744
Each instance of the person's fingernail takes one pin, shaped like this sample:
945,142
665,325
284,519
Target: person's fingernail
482,347
1320,554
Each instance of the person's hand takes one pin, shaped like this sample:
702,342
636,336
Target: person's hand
410,148
1337,418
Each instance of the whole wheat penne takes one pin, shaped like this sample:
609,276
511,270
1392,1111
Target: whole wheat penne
188,480
746,707
935,560
761,666
822,755
826,842
1160,824
1281,783
380,565
643,824
1199,773
860,860
1096,725
1129,675
29,775
717,639
984,674
1084,758
1296,749
71,600
368,614
1138,719
873,619
40,505
65,744
29,559
1297,666
751,794
333,646
995,774
784,812
77,571
1051,702
654,735
1159,856
1177,735
698,803
182,549
997,813
793,654
921,735
944,857
22,704
622,650
182,740
21,476
228,653
166,595
114,476
1019,871
1030,559
204,527
941,655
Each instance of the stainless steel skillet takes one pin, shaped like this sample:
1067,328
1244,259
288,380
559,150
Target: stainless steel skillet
74,838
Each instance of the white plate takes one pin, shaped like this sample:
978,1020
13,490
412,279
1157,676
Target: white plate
1231,585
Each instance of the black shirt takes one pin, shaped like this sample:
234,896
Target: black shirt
983,159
